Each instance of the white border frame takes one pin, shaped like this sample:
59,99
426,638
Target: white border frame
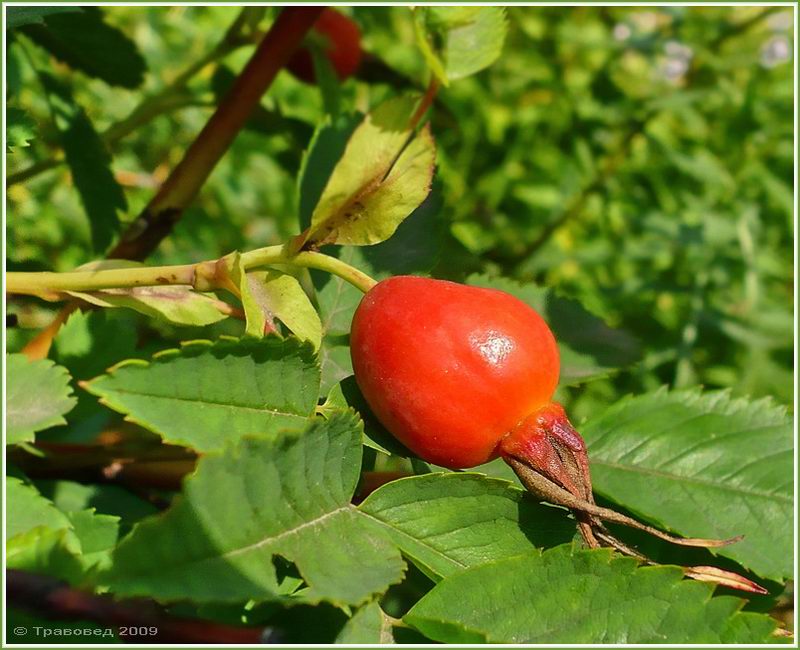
795,10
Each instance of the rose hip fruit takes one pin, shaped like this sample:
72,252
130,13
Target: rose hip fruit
451,369
343,47
462,375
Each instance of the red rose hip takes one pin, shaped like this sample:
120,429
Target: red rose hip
451,369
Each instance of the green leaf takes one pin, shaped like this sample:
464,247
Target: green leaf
39,537
288,496
380,179
207,394
569,596
460,41
39,395
174,304
325,77
69,496
85,42
267,295
702,465
91,341
19,16
20,129
368,625
319,160
45,551
89,162
446,523
97,535
27,509
589,348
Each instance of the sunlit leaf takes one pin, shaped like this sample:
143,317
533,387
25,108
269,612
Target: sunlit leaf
39,395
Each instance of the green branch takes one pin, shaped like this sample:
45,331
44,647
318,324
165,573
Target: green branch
203,275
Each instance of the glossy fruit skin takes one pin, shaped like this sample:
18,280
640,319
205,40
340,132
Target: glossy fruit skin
451,369
344,47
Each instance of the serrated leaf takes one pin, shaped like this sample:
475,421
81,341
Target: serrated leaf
39,537
368,625
586,596
85,42
19,16
288,496
45,551
380,179
69,496
702,465
97,534
206,394
460,41
39,395
89,162
27,509
446,523
20,129
174,304
589,348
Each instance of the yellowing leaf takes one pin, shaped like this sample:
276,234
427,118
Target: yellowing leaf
379,181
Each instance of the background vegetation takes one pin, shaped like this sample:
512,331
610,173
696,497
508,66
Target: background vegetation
637,160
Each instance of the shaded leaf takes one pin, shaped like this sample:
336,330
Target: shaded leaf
20,129
97,534
85,42
45,551
380,179
39,395
569,596
588,347
105,499
207,394
319,160
91,341
702,465
346,394
90,163
368,625
287,495
27,509
19,16
460,41
446,523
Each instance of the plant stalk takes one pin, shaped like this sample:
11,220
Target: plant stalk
202,275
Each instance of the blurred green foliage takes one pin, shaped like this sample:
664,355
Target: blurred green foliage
637,159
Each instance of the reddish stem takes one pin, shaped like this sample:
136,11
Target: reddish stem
274,51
